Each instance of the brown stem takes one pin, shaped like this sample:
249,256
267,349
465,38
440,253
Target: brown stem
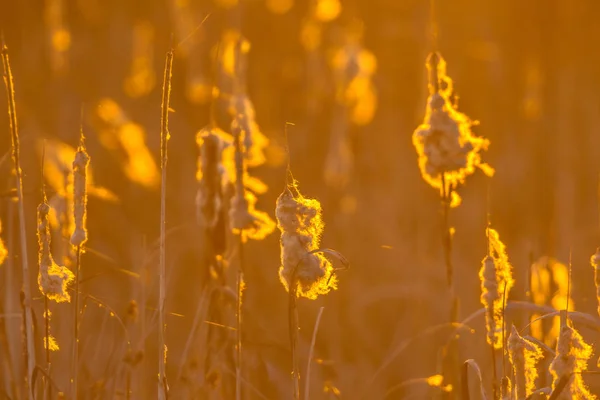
293,328
27,313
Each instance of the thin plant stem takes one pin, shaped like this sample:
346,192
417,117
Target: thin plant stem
311,354
240,289
28,317
75,349
47,333
164,137
293,328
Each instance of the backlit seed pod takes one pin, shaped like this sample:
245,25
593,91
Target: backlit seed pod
447,149
80,164
524,356
53,279
572,355
300,223
496,280
243,216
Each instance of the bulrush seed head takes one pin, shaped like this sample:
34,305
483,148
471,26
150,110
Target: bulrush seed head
572,355
496,280
243,216
299,220
524,355
80,164
444,141
53,279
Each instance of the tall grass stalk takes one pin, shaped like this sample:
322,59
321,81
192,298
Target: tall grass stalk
240,290
28,318
311,354
293,329
164,137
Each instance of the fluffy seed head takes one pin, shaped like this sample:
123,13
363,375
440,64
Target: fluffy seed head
572,355
496,279
524,356
82,159
299,220
444,141
53,279
243,216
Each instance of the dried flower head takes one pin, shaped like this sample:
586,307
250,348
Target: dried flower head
595,261
80,164
53,279
524,356
496,280
446,147
572,355
244,119
243,216
300,223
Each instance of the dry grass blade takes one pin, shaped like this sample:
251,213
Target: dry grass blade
14,134
465,379
311,354
164,137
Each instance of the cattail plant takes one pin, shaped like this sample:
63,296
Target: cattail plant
304,271
595,261
244,221
16,156
447,148
572,355
524,355
243,217
78,239
496,281
53,279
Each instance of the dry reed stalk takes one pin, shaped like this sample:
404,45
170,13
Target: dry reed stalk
28,317
240,289
293,327
304,271
245,221
164,137
78,239
311,354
